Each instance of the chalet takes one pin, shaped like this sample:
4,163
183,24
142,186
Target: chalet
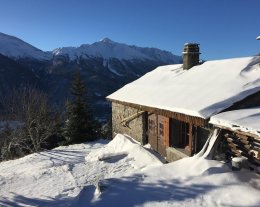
240,135
170,107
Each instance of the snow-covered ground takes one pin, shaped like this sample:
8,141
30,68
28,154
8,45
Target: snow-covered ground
56,177
122,173
189,182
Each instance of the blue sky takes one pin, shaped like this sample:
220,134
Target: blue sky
224,28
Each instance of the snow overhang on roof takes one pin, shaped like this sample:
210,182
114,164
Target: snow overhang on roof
202,91
245,120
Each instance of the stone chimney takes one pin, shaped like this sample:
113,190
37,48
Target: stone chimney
191,55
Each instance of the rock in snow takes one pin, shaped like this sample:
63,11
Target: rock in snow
122,173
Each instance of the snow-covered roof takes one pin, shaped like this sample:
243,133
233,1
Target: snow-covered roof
202,91
246,120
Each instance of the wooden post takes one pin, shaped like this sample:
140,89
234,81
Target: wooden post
166,130
190,138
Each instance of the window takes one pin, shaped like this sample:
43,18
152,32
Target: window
179,137
185,134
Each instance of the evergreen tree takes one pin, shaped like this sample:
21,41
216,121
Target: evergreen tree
80,124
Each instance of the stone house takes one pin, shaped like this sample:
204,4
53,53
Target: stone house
239,136
170,107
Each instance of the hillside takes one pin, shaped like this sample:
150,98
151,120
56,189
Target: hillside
16,48
13,74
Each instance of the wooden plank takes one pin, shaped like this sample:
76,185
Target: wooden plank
242,136
256,144
161,147
244,141
229,139
227,135
254,136
255,154
255,148
238,154
166,126
152,131
232,145
249,151
247,146
190,138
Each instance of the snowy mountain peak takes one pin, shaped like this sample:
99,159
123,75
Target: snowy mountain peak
108,49
106,40
16,48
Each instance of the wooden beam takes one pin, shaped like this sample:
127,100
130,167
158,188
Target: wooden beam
197,121
255,136
190,138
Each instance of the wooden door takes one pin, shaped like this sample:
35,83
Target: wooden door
158,133
163,134
152,131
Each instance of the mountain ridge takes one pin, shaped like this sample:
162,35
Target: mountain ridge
105,66
16,48
106,48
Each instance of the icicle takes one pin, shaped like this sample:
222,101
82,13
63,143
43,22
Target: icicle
212,140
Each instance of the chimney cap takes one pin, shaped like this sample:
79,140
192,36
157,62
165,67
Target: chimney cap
191,43
191,48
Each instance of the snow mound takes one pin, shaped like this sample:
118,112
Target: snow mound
123,146
194,181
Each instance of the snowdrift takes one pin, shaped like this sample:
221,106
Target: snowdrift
194,181
124,146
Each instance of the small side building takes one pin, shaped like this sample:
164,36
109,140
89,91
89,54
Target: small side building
240,135
170,107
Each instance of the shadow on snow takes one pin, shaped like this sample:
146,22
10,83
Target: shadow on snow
116,191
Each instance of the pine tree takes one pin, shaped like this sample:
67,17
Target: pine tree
80,125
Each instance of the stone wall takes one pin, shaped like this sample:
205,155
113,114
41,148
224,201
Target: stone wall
173,154
135,128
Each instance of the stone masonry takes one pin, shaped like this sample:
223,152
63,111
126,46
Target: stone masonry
136,128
